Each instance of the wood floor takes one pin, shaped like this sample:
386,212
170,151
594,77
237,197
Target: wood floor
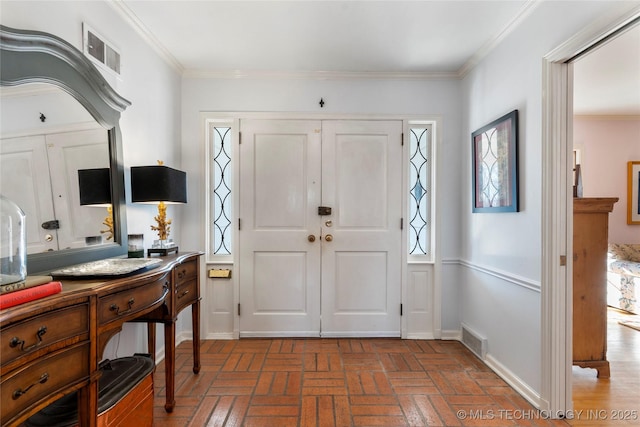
614,401
374,382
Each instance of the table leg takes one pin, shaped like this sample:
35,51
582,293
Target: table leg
170,364
195,324
151,340
88,405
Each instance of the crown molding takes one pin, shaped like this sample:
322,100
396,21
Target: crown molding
125,12
609,117
524,12
27,90
317,75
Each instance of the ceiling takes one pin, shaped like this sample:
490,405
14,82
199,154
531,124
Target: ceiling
410,39
607,79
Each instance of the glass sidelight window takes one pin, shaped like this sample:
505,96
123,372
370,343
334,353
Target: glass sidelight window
420,189
221,213
220,136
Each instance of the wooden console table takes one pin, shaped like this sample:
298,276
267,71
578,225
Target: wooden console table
51,347
590,239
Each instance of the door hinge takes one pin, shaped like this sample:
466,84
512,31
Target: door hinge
400,309
239,138
239,224
402,140
238,309
401,223
563,260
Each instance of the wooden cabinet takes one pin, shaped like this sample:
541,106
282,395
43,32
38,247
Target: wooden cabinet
590,239
34,346
52,347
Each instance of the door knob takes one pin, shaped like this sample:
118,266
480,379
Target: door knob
48,237
328,237
311,238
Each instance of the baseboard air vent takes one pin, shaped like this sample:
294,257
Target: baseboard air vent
474,342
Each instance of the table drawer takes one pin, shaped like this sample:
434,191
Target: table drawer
43,378
186,294
127,304
54,327
185,272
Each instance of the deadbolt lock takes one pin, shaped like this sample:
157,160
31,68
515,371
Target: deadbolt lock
324,210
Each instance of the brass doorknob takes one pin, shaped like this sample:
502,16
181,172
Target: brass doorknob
311,238
328,237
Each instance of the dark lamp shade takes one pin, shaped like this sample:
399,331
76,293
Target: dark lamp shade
159,183
95,187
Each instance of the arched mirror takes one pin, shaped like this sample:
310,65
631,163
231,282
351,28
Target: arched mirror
65,169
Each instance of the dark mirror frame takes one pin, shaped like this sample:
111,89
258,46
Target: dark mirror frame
38,57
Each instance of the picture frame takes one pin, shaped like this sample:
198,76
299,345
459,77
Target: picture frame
633,192
495,166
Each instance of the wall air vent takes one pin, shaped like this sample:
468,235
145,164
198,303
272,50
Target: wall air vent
100,51
474,342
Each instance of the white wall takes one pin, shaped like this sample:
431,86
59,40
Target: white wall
500,280
150,126
342,96
355,97
606,144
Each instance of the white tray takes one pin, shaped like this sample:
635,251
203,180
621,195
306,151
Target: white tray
107,267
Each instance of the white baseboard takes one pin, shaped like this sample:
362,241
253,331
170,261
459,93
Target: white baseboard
503,372
360,334
514,381
455,335
281,334
221,336
421,336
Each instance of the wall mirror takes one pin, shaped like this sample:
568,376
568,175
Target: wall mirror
41,152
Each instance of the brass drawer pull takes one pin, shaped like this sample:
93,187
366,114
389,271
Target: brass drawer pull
15,341
182,273
19,392
183,294
116,308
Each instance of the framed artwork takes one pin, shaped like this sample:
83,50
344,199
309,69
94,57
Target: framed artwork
495,165
633,192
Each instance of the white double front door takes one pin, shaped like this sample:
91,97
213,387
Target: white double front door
309,272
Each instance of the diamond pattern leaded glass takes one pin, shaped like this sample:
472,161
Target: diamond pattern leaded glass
493,186
222,175
419,197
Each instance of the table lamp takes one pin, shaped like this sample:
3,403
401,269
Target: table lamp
95,190
159,185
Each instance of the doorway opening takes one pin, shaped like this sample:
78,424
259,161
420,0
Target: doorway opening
557,203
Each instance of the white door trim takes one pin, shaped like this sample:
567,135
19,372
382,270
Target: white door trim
557,211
